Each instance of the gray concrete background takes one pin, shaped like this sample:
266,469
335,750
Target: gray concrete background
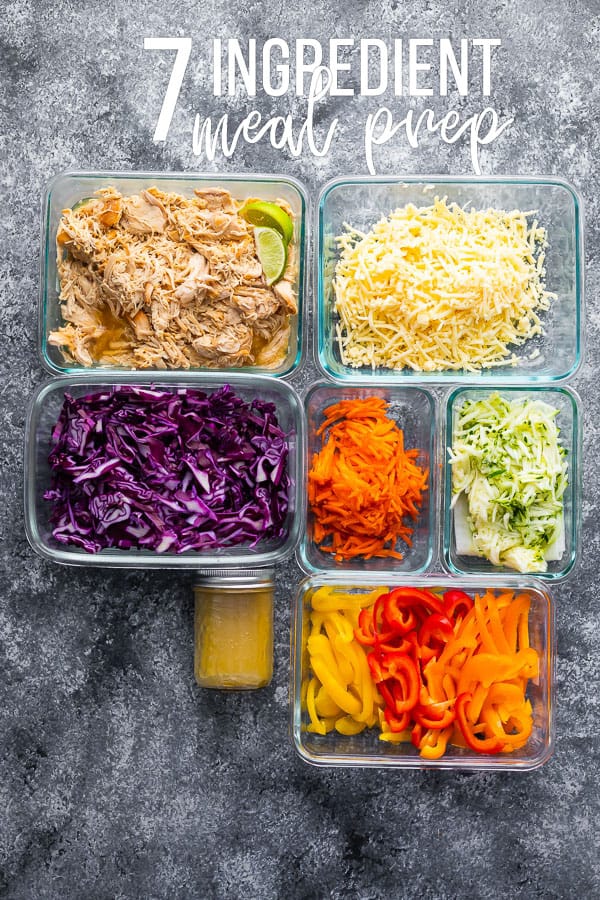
118,777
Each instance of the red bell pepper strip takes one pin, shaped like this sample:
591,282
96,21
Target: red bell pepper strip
367,632
396,724
416,735
400,619
374,662
413,599
403,691
364,634
403,644
435,627
386,692
457,603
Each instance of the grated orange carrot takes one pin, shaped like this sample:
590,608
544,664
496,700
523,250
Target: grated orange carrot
363,483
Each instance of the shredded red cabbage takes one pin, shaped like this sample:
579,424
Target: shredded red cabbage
153,469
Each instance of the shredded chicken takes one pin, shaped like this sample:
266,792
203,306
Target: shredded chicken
159,280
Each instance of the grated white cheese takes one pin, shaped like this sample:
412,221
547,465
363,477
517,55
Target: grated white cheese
440,288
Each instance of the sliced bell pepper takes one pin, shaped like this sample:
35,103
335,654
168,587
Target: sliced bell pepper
487,745
412,599
396,723
438,628
433,744
416,735
399,682
433,717
364,634
456,603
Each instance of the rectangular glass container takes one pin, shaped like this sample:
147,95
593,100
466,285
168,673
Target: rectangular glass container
569,422
361,202
413,409
70,187
365,749
43,414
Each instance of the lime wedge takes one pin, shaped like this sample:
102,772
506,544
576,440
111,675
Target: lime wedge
269,215
271,253
82,202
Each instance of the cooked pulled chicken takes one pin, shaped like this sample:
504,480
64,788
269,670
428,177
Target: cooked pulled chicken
159,280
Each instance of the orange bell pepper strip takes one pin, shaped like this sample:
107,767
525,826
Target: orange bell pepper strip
518,728
436,716
488,668
434,744
496,628
481,612
512,616
487,745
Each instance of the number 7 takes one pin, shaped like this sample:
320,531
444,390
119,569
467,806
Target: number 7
184,48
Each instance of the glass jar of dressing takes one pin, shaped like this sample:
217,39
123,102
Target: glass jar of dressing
233,626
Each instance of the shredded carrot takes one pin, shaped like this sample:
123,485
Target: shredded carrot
363,483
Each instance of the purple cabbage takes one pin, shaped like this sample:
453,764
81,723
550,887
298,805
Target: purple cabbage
153,469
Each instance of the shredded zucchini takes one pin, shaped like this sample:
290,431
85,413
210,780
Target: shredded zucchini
508,462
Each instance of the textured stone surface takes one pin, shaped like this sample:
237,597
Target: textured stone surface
118,777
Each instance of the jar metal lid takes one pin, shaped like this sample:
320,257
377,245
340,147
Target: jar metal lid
234,578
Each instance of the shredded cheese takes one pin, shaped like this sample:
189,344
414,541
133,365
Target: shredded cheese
439,288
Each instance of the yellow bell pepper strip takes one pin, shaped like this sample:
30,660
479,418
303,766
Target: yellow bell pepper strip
327,599
338,622
316,725
344,671
349,726
326,674
345,689
324,705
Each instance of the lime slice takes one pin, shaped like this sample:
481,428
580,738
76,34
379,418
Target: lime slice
271,253
269,215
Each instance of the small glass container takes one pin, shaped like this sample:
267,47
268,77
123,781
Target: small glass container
233,626
566,401
413,409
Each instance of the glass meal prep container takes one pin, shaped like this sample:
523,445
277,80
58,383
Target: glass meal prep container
43,413
414,411
568,420
69,188
366,749
552,356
